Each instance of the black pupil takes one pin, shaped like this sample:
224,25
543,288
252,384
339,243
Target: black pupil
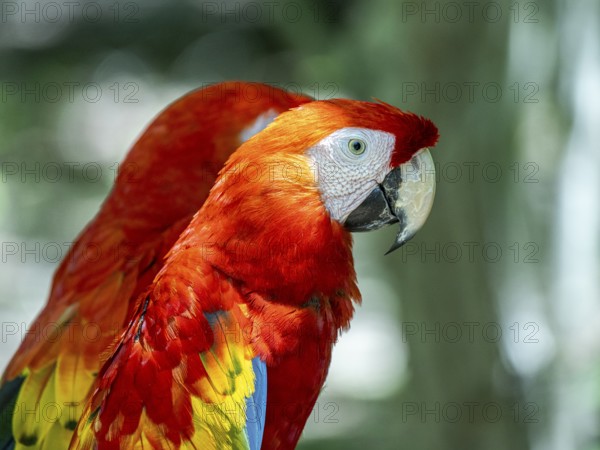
357,145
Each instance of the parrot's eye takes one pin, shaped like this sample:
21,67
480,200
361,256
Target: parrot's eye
357,146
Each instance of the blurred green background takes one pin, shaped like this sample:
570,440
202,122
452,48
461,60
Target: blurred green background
482,333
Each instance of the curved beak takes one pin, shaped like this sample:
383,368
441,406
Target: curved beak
405,196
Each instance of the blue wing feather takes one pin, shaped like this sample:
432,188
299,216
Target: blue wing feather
256,406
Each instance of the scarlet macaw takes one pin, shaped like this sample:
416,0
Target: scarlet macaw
224,325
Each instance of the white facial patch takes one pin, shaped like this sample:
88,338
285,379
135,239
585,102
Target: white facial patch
345,174
258,125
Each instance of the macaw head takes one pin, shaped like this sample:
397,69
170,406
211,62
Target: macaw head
376,169
368,161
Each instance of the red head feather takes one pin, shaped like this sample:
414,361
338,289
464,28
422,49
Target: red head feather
304,126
